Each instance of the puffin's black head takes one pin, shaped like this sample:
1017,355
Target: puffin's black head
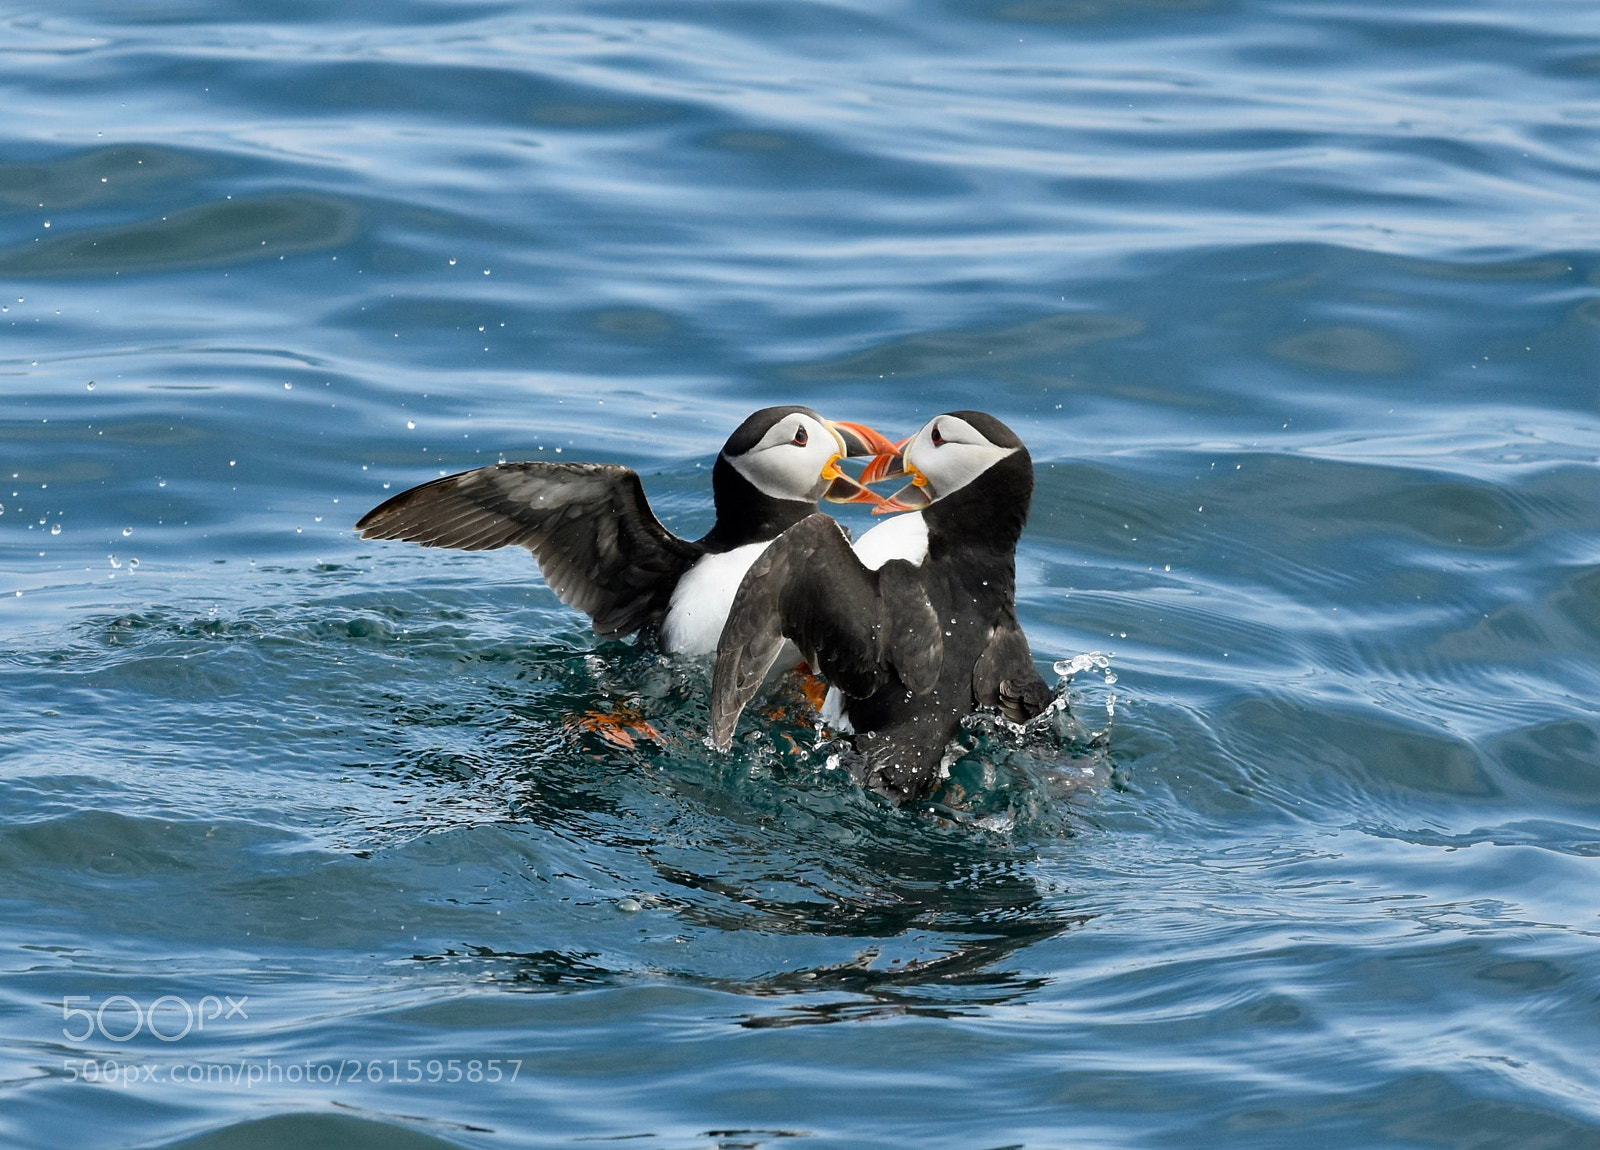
777,464
756,426
974,468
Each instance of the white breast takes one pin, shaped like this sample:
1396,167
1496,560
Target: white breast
903,537
700,602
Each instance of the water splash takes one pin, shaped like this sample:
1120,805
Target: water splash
1092,661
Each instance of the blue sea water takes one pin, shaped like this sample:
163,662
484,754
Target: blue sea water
303,840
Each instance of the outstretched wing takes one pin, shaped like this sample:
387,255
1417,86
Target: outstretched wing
1005,676
599,545
855,627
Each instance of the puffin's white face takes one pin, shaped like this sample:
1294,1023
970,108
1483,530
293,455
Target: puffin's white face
794,459
949,453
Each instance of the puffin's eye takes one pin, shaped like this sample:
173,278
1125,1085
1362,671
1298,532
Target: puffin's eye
800,437
938,440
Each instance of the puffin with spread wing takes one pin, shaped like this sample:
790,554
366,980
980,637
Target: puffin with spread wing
602,550
913,628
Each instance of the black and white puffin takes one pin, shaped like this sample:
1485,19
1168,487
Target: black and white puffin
602,550
913,630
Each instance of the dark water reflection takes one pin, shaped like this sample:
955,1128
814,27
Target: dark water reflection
770,846
212,236
81,179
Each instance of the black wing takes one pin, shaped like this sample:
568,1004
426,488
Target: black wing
855,627
1005,676
599,545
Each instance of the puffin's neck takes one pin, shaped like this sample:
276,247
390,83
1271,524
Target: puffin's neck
746,514
980,524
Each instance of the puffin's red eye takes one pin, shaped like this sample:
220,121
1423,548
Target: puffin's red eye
800,437
938,440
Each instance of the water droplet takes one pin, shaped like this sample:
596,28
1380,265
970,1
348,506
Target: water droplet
55,529
452,262
127,531
386,487
318,518
485,271
115,562
91,385
411,425
133,564
288,387
161,483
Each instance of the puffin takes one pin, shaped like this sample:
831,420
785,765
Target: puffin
913,630
603,551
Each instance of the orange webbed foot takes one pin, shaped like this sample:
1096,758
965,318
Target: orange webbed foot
622,728
814,689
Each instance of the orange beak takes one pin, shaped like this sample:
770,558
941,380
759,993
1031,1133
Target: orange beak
855,439
887,464
909,498
843,489
912,497
859,439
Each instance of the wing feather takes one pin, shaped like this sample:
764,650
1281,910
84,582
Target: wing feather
808,586
780,597
912,640
600,547
1005,676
